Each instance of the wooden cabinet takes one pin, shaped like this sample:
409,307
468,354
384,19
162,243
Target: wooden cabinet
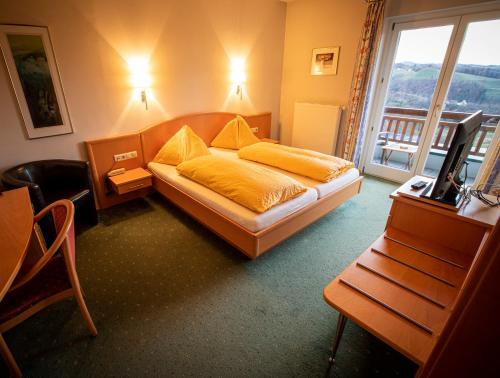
405,286
131,180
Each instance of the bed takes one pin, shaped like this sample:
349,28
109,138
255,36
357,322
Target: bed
251,233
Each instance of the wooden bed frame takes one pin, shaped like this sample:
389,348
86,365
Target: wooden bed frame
252,244
207,126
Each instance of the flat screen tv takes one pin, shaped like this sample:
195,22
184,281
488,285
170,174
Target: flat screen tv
451,170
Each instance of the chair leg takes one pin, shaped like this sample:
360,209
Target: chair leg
9,358
85,312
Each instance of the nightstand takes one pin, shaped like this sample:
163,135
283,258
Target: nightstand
269,140
133,179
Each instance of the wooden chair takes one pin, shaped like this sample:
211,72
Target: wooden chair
44,279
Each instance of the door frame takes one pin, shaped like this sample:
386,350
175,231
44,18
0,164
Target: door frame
448,76
382,69
380,94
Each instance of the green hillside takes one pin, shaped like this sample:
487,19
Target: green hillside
473,87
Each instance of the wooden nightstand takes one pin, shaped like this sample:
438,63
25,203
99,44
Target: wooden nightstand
269,140
131,180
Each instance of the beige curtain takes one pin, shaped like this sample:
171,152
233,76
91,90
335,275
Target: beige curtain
367,48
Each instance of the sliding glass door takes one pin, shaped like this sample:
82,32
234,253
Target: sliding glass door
474,85
436,73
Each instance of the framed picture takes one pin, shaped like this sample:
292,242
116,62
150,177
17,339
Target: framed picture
32,67
325,60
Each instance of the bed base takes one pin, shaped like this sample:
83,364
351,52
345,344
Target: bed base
254,244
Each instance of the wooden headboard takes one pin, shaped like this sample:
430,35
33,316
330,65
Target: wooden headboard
206,125
148,142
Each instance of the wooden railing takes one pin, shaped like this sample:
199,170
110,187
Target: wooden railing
404,125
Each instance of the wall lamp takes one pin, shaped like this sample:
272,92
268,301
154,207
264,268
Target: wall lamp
140,79
238,75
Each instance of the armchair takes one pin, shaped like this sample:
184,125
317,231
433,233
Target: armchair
44,279
51,180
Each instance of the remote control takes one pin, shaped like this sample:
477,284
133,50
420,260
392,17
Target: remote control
419,185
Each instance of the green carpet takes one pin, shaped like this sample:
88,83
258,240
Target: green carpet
169,298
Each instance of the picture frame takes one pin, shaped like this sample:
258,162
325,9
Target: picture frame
325,61
32,67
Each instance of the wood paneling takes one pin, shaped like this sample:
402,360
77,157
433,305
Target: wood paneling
101,156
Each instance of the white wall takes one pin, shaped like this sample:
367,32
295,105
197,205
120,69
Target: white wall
311,24
322,23
189,43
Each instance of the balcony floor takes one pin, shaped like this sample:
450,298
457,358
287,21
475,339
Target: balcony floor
427,171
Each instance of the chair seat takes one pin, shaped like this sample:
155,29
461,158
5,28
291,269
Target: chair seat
52,279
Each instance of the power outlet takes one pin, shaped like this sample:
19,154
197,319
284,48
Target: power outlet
255,130
125,156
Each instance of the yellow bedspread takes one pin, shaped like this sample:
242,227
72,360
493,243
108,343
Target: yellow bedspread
312,164
254,187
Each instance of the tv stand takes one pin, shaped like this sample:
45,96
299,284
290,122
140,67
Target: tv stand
404,288
452,201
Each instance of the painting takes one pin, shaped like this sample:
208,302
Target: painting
325,60
31,63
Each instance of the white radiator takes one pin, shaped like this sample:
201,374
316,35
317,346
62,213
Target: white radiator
315,126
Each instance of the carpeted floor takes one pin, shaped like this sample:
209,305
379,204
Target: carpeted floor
169,298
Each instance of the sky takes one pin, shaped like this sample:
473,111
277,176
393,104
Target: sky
428,45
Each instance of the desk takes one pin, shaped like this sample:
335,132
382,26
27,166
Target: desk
16,225
404,287
408,149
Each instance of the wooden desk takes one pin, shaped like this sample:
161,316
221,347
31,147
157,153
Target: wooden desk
16,225
404,287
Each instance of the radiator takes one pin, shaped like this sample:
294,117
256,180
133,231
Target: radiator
315,126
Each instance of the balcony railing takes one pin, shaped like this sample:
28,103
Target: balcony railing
404,125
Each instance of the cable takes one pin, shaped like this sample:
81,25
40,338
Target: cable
467,192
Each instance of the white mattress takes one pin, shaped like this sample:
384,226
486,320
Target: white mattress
323,188
248,219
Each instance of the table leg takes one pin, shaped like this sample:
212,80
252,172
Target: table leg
338,334
410,160
387,156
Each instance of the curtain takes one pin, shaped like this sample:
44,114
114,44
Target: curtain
354,131
492,184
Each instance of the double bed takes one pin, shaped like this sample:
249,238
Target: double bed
250,232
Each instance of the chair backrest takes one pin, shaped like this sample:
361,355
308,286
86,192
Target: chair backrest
63,212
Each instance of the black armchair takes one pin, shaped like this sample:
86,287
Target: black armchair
51,180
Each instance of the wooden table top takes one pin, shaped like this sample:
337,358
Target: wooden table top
474,211
16,225
401,147
399,295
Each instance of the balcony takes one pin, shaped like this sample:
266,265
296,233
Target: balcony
404,125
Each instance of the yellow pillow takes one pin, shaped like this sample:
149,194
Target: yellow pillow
235,135
184,145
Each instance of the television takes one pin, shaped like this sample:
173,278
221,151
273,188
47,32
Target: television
443,189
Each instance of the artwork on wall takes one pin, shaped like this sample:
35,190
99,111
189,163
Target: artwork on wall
32,67
325,60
